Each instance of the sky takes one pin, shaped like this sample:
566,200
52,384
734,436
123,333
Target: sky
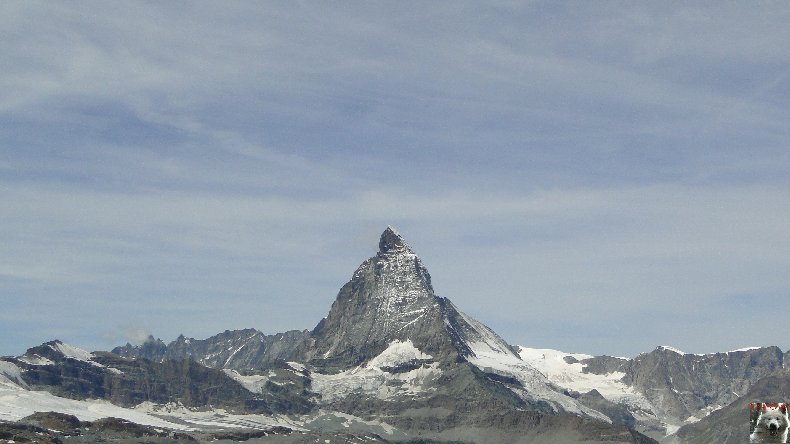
594,177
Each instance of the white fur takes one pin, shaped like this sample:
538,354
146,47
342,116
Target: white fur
772,426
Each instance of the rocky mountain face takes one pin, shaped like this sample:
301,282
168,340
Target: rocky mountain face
238,349
730,424
390,298
684,387
392,361
72,373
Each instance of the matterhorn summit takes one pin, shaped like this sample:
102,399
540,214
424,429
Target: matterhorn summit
392,242
390,298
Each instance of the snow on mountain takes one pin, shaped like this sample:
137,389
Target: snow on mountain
34,359
11,375
744,349
389,311
484,343
398,353
299,367
218,418
69,351
672,349
17,403
564,370
534,385
45,356
374,379
253,383
570,375
389,297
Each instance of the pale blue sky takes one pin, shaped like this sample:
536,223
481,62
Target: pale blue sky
598,177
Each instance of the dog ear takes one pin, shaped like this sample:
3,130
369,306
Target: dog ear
783,408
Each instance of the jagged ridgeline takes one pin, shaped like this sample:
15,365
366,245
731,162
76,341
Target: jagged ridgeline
388,298
391,362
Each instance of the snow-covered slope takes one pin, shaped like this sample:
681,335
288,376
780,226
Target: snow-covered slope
569,374
533,384
55,351
11,376
401,370
17,402
398,353
564,370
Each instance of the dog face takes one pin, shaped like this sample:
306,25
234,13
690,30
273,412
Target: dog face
774,420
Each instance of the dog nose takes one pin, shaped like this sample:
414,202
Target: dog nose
773,426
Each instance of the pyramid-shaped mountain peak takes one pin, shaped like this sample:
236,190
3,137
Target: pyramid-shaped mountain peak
390,298
391,241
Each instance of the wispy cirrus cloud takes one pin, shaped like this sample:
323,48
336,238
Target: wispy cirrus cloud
627,159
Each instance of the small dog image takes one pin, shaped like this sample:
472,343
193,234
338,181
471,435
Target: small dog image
769,422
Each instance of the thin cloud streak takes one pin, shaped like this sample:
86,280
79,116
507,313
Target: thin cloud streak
628,160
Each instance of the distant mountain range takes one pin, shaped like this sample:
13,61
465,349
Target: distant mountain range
391,362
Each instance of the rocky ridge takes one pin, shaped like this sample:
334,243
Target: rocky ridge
237,349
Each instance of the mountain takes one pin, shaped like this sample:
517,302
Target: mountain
664,389
238,349
730,424
73,373
391,361
391,349
390,298
688,386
